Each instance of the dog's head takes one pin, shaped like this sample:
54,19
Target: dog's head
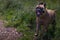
40,9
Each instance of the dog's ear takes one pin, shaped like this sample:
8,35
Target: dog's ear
45,5
41,3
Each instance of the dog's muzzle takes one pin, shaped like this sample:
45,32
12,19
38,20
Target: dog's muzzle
39,11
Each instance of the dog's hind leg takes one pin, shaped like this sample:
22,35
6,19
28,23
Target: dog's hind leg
52,33
53,27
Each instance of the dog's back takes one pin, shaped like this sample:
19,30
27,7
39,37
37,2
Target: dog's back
51,12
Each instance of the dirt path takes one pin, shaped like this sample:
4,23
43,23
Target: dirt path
8,33
1,23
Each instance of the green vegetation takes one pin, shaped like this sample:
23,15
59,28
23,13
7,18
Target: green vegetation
21,15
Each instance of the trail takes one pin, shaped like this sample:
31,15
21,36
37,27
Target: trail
1,23
8,33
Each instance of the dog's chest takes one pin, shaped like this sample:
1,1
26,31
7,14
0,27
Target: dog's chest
45,19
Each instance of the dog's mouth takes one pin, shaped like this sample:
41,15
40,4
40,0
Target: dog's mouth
39,11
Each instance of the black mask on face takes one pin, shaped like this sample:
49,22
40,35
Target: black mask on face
39,11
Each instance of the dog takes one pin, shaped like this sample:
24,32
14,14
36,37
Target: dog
44,16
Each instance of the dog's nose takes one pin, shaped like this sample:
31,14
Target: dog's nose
43,11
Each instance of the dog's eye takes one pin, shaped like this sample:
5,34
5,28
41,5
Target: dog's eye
41,8
43,11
